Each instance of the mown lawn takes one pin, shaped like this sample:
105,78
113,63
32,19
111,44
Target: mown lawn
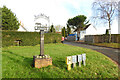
17,63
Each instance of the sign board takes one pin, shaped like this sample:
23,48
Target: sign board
69,60
79,58
40,28
74,59
41,16
42,39
84,57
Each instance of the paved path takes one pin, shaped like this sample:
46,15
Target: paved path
111,53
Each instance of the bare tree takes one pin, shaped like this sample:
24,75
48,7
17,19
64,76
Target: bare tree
105,10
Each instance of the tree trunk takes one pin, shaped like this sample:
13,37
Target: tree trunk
109,32
78,35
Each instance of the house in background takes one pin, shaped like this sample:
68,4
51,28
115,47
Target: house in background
88,30
22,28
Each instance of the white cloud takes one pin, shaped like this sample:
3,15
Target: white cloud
114,26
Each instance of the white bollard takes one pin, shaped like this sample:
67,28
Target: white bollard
79,60
69,62
84,58
74,60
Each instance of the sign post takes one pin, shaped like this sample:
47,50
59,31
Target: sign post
84,58
41,42
74,60
41,38
69,62
41,60
79,60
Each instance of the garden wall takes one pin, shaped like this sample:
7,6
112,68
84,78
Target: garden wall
9,38
71,38
115,38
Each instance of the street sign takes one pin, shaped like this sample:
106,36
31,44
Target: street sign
74,59
40,28
83,57
79,58
69,60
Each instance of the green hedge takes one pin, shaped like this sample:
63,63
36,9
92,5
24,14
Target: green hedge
28,38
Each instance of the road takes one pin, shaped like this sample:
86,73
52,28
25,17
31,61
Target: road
110,52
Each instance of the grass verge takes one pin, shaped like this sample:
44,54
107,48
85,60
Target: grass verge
17,61
113,45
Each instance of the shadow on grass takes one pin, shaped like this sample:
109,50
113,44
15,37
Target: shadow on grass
28,62
60,63
25,61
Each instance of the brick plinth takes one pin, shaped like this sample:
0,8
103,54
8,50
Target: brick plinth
42,62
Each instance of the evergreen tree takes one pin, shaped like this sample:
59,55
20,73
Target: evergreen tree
68,29
9,20
78,23
107,31
63,32
52,29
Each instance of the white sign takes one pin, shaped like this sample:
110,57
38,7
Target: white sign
79,58
42,39
84,57
41,16
74,59
69,60
40,28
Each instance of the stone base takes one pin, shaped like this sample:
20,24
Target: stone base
41,62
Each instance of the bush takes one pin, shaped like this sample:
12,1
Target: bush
9,38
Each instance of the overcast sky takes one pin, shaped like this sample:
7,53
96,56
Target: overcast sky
59,11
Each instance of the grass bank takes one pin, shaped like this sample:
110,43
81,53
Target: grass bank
113,45
17,61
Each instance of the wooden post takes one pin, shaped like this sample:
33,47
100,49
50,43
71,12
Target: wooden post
41,42
84,58
79,64
69,67
74,65
84,63
69,62
79,60
74,60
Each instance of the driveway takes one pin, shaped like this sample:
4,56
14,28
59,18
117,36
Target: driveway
110,52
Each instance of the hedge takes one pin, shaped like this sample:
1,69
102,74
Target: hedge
9,38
